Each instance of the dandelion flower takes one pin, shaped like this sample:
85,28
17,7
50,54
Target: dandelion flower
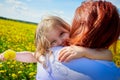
19,72
1,65
9,54
116,59
31,74
118,63
2,71
14,75
8,62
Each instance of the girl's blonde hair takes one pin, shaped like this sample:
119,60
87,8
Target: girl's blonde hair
41,41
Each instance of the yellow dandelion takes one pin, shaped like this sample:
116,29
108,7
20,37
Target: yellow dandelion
11,66
2,71
30,65
21,67
31,74
117,63
116,57
14,62
8,62
19,72
9,54
14,75
1,65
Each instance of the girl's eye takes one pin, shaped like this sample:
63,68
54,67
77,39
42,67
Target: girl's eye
62,34
53,43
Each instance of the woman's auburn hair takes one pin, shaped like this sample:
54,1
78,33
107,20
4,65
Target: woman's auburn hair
96,24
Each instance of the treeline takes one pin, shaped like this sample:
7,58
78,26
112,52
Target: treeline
17,20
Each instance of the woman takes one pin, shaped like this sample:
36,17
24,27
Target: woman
96,24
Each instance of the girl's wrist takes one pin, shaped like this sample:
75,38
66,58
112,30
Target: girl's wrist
80,51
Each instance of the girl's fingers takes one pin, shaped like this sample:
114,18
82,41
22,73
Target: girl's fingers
70,57
64,56
62,52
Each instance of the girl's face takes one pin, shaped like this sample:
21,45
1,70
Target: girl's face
57,36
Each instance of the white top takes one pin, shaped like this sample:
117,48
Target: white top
57,71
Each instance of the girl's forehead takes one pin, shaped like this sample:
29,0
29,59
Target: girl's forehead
56,28
59,27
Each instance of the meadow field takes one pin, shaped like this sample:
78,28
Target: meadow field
19,36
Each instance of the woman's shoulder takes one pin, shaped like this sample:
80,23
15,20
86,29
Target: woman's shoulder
97,69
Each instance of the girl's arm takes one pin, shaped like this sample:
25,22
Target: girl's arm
75,52
25,56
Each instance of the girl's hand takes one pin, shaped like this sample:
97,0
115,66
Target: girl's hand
69,53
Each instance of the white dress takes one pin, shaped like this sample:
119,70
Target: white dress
57,71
